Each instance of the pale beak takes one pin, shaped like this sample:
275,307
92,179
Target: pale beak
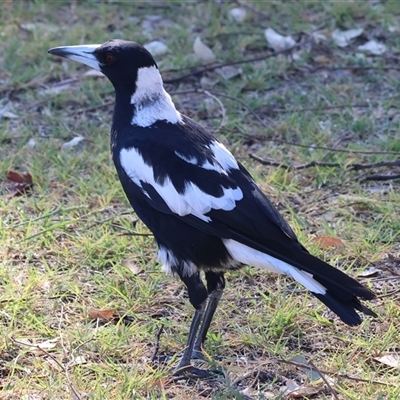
83,54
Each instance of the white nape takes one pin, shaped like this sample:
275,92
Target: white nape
152,103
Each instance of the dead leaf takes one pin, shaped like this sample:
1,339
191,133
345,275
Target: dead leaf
72,143
6,111
202,51
390,359
238,14
229,71
322,59
18,183
156,47
293,391
19,177
343,38
373,47
277,41
77,361
31,143
306,368
327,242
38,348
132,266
105,313
369,272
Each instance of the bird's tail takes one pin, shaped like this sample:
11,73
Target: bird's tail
334,288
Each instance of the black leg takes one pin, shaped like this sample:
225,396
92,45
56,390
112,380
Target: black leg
198,297
185,360
215,287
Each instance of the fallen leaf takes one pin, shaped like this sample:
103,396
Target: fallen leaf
306,367
202,51
156,47
31,143
277,41
238,14
304,391
72,143
327,242
7,111
373,47
18,183
132,266
19,177
322,59
371,271
229,71
77,361
106,313
318,37
390,359
207,83
343,38
38,348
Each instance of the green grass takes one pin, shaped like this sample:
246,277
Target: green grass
73,244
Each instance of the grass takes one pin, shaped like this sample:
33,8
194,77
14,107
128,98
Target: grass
72,246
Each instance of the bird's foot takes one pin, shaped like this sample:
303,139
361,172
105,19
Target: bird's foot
191,372
197,354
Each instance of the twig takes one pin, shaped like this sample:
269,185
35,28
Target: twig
94,108
157,344
380,177
223,110
394,163
322,108
64,368
336,374
324,379
265,161
352,167
228,97
331,148
213,96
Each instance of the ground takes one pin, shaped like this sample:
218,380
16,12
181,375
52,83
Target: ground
85,311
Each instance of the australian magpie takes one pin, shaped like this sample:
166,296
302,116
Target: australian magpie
206,212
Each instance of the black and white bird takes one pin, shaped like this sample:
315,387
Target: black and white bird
206,212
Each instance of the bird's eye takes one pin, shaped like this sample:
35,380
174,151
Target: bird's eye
109,58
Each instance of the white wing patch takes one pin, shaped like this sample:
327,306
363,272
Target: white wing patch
152,102
246,255
193,201
223,156
224,159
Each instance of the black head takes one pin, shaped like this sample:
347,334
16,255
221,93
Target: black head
118,59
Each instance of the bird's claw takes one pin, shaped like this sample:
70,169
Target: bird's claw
191,372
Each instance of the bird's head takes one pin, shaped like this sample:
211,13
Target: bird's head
119,60
134,74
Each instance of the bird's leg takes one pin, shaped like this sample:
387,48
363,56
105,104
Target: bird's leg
215,287
198,297
185,360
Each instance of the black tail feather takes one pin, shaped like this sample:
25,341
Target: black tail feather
346,311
